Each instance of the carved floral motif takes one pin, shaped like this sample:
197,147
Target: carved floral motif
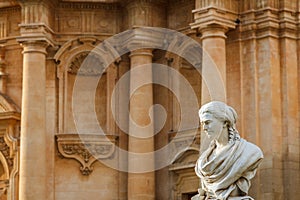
86,149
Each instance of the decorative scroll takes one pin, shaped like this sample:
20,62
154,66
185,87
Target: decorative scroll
86,149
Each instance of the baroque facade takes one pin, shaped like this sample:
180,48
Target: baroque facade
79,78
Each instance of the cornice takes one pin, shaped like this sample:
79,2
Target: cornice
10,115
269,22
86,148
10,9
36,32
125,3
89,5
211,15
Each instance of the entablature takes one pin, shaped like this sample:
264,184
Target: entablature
211,16
269,22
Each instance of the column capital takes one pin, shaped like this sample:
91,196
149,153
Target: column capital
213,30
141,52
36,32
212,17
37,46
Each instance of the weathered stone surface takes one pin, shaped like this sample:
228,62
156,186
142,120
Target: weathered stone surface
253,46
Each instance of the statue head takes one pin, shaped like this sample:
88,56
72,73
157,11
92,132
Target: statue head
220,114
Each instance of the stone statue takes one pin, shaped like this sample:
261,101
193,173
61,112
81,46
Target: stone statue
230,162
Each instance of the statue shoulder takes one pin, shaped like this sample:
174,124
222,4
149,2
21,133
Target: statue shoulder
252,148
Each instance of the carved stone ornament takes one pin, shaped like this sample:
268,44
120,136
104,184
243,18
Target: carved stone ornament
5,150
86,148
183,141
86,64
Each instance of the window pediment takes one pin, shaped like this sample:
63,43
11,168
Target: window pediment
8,109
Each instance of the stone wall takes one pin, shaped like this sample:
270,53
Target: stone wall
253,44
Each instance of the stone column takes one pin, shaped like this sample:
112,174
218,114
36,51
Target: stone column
141,185
33,155
214,63
213,21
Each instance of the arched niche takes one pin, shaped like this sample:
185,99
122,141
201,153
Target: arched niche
184,180
69,59
9,148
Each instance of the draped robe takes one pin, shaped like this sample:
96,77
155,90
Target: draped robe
234,166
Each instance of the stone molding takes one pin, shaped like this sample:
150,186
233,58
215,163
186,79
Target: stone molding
12,9
141,52
150,2
6,152
8,108
183,139
86,148
103,20
66,54
9,20
231,5
88,5
9,145
36,32
93,66
213,16
269,22
34,47
9,158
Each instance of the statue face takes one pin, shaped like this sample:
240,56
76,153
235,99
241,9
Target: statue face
211,125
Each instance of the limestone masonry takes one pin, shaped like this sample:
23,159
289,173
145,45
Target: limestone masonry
99,99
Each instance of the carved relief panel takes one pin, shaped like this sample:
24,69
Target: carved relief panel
180,14
10,18
70,23
231,5
92,18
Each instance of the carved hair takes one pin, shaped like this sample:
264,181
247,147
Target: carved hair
224,113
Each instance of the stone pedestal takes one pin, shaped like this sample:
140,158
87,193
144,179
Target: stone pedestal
198,197
140,185
33,123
